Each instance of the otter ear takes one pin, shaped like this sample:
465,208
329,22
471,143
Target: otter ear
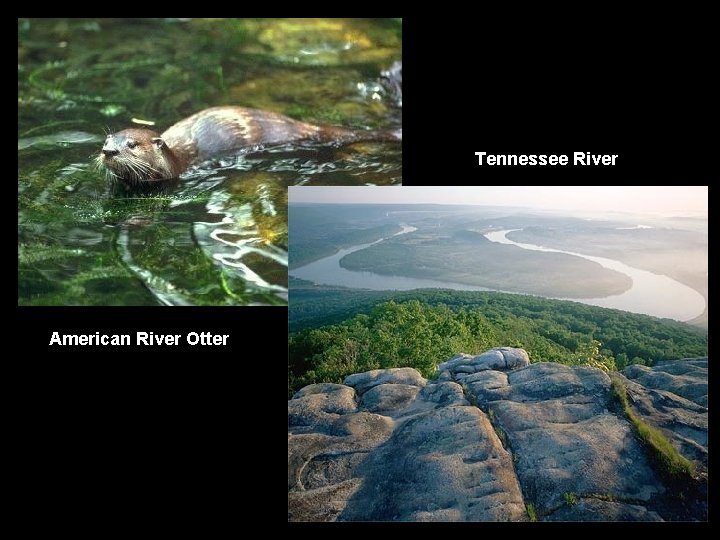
158,142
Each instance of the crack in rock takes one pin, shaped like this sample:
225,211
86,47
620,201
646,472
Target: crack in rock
489,435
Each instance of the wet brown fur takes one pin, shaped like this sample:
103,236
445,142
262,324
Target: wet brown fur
138,155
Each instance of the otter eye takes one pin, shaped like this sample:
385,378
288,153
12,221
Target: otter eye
131,144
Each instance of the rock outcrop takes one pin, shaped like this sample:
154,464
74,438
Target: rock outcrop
489,437
672,396
502,358
565,440
388,445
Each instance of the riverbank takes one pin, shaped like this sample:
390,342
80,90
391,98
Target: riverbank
471,261
684,259
467,258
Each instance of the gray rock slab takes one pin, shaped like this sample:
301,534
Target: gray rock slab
684,378
563,438
672,397
362,382
498,358
446,464
405,452
389,445
599,510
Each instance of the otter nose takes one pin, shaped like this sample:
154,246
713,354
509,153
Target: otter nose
110,149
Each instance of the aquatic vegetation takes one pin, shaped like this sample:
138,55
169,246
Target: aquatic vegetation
220,236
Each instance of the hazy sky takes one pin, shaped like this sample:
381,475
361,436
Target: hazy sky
674,200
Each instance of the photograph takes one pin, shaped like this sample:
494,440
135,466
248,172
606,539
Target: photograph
498,353
154,155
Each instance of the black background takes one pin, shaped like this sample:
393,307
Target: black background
171,436
639,89
185,435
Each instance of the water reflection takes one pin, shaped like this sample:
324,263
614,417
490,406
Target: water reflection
650,294
327,271
219,236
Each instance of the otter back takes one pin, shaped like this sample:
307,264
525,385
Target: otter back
138,155
220,130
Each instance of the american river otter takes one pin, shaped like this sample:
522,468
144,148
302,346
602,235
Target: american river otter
141,155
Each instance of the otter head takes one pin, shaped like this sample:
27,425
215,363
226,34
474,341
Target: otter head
138,155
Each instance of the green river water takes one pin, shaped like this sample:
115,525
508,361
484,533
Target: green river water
219,235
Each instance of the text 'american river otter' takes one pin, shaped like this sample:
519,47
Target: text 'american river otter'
141,338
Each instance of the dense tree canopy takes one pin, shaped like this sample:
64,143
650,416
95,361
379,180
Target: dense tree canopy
373,329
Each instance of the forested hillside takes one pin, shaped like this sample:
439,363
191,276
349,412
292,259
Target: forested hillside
336,332
317,232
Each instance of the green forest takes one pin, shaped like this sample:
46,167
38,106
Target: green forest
334,240
336,331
